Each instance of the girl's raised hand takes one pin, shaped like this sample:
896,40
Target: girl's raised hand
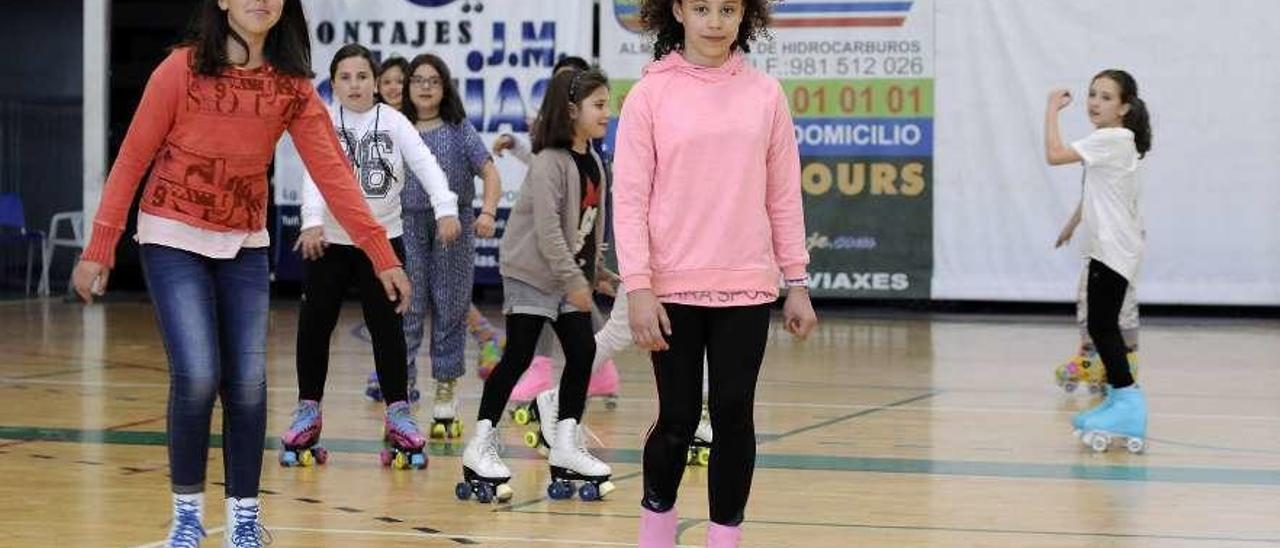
1059,99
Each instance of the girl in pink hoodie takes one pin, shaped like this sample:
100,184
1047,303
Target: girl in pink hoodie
708,219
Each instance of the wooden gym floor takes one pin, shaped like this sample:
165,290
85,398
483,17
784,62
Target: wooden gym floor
889,430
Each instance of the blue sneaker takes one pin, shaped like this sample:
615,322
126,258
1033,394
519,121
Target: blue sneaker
186,530
244,527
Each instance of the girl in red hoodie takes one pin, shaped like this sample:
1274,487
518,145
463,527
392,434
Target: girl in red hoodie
207,126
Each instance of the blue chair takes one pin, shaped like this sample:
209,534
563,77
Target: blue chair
13,229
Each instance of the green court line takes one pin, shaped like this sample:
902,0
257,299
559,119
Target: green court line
935,528
768,461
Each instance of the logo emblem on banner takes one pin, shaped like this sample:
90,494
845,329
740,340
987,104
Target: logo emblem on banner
802,13
826,13
628,14
467,5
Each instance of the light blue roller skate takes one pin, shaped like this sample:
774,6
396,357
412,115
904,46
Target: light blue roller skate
1124,418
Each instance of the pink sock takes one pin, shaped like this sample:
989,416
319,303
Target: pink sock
723,536
658,530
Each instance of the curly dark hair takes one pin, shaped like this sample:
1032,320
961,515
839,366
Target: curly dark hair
657,18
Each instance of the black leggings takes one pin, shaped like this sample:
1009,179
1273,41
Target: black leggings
1106,295
579,344
323,288
733,340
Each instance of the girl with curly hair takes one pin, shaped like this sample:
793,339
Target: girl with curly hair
708,219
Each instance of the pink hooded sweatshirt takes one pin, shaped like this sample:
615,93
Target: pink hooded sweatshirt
707,184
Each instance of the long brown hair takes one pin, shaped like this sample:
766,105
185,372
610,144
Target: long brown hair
287,48
554,127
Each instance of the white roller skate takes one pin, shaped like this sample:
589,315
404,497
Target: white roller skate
571,462
300,444
187,528
546,407
444,414
700,449
1122,417
402,440
483,473
244,525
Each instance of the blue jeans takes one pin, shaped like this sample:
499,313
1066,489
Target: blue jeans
212,315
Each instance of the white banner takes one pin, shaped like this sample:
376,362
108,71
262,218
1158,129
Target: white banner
500,52
1207,71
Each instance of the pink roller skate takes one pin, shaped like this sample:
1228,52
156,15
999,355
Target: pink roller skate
536,379
604,384
301,442
402,439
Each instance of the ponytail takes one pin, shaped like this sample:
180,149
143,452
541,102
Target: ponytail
1138,121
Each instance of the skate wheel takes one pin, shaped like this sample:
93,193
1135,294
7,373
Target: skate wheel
1068,387
560,490
321,454
438,431
401,461
1094,389
374,394
384,456
484,493
414,395
611,403
288,458
455,429
588,491
503,493
1099,442
418,461
521,415
462,490
531,439
704,456
1135,445
307,458
689,457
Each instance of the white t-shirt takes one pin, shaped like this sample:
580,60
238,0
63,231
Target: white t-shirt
378,143
1110,214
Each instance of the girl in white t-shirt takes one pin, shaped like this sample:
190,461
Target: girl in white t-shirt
1114,240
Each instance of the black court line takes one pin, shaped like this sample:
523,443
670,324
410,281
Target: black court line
850,416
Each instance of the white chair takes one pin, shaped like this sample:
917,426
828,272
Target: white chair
75,219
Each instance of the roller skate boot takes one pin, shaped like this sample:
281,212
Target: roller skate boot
1124,419
484,475
535,380
402,441
300,444
444,414
571,462
604,384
